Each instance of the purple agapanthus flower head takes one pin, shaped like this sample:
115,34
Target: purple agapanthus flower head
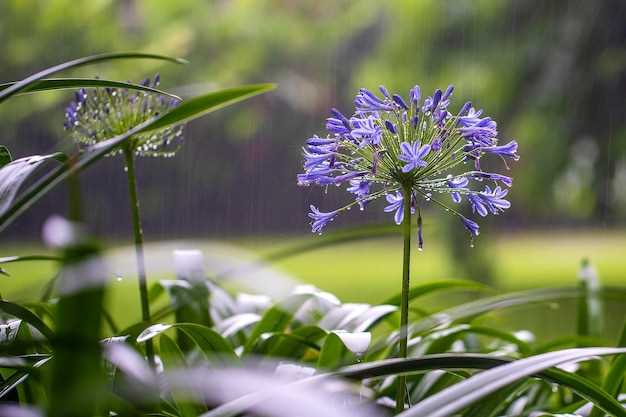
392,145
96,115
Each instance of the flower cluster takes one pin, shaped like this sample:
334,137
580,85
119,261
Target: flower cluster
392,147
96,115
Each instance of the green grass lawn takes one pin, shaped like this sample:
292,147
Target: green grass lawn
366,271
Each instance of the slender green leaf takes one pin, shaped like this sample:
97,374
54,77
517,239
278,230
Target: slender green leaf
582,386
233,325
26,315
198,106
615,377
93,59
440,285
51,84
208,340
28,258
493,405
18,377
478,386
441,342
292,345
274,320
5,156
467,311
173,358
569,342
13,175
341,348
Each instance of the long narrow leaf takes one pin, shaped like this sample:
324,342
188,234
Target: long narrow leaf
28,258
51,84
440,285
93,59
208,340
13,175
467,392
198,106
5,156
615,376
449,361
473,309
28,316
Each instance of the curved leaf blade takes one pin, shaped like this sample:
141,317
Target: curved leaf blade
467,392
53,84
201,105
27,316
207,339
28,258
13,175
5,156
581,385
93,59
439,285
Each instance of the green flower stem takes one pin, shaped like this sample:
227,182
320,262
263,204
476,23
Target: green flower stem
141,265
404,305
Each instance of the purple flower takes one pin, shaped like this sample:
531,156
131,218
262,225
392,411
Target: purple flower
508,181
415,121
96,115
320,219
508,150
423,151
456,183
395,204
360,188
314,159
437,143
471,118
415,94
338,123
446,95
471,226
317,141
400,101
366,101
413,154
482,133
367,131
489,201
314,175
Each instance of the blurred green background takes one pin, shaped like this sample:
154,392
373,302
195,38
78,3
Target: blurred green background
553,74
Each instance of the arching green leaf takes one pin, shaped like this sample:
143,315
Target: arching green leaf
93,59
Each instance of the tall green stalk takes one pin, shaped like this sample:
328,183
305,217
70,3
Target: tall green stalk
138,232
404,304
